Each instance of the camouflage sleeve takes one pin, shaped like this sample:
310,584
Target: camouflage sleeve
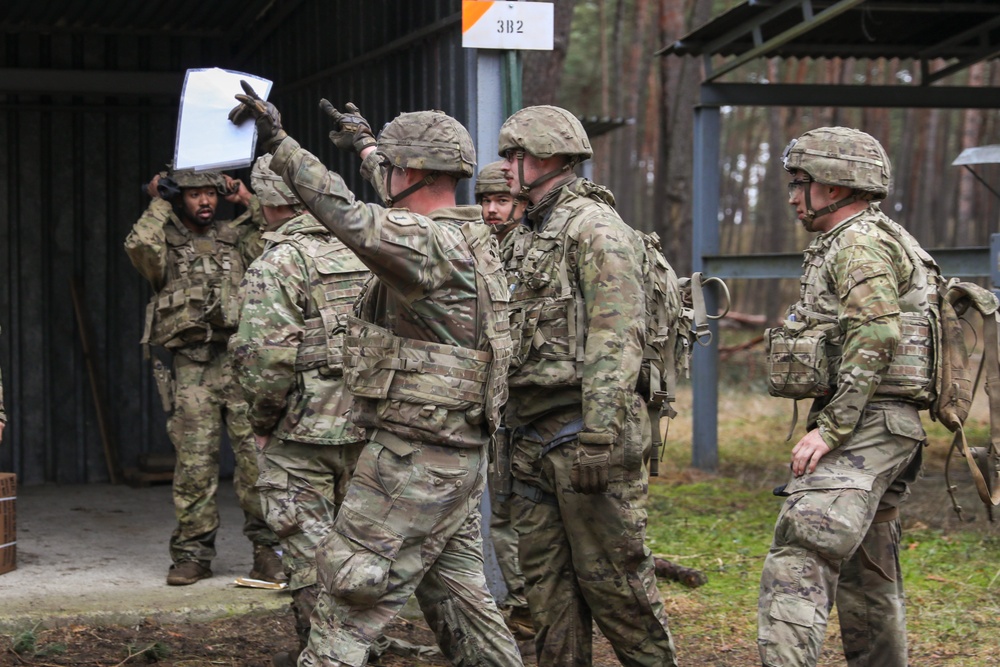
610,274
373,172
869,317
401,248
146,244
271,327
252,243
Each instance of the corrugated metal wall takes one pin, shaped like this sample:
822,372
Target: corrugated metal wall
70,174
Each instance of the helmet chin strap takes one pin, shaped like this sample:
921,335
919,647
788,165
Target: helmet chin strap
810,217
390,200
526,188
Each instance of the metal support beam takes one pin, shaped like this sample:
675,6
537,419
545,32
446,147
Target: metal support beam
705,243
90,82
881,97
970,262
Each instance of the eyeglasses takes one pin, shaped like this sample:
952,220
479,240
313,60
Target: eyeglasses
794,186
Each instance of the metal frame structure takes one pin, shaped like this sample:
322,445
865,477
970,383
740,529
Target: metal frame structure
930,31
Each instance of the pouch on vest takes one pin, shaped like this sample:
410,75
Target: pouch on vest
797,362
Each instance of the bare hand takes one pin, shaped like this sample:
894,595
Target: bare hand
2,424
807,453
236,192
151,187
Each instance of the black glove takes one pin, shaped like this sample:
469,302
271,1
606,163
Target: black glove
266,116
589,473
353,132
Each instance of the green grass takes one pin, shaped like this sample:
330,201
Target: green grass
722,524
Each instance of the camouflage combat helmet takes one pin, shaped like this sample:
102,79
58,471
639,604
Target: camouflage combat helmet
491,181
544,131
426,140
188,178
269,187
841,156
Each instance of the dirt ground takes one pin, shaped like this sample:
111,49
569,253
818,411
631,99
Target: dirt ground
244,641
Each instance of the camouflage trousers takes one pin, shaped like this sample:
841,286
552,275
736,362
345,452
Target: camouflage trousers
205,396
584,556
837,540
302,486
504,539
410,524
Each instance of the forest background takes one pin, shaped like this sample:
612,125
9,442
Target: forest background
604,65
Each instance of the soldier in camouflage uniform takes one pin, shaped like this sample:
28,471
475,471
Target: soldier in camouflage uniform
865,298
287,357
426,362
502,212
577,321
195,264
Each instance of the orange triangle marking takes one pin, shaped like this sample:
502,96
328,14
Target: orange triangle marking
472,11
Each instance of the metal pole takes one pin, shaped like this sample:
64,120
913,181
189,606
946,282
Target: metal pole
705,242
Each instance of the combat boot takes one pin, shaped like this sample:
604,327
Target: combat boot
187,572
267,566
519,623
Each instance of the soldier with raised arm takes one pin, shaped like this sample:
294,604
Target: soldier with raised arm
425,359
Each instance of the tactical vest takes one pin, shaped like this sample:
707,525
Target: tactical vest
199,301
804,355
548,316
335,279
386,372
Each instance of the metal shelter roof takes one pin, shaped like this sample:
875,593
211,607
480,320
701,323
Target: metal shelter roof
962,32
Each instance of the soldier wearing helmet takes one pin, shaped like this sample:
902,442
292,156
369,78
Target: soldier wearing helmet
194,263
425,356
576,419
501,210
295,301
863,329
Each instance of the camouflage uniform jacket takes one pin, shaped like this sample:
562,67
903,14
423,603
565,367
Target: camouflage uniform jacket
439,295
857,275
287,351
577,310
195,278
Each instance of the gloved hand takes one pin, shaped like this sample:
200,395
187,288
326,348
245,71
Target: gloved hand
589,473
266,116
353,132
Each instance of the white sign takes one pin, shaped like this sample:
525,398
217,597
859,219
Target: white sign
507,25
205,137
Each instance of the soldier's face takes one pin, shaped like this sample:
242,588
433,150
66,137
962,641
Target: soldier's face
497,209
200,204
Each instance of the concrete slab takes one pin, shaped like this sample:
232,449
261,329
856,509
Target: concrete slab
97,554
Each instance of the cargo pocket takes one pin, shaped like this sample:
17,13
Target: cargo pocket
790,609
279,508
354,561
904,425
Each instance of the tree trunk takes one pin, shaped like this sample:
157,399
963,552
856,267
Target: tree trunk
543,69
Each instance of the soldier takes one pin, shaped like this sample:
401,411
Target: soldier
577,322
426,362
195,264
864,290
501,210
287,357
